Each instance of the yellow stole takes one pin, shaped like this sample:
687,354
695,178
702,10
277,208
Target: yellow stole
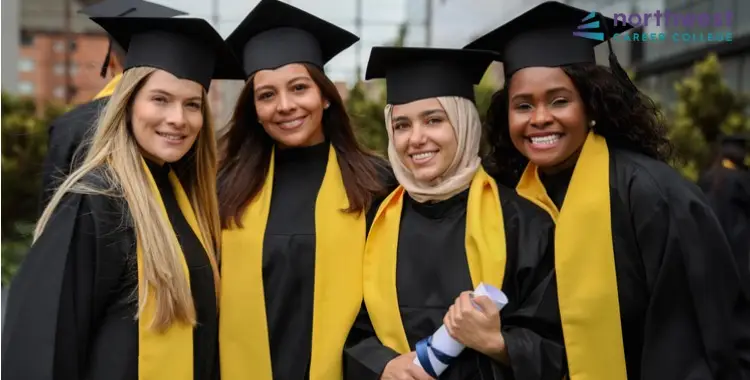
166,355
339,244
585,264
109,88
485,252
728,164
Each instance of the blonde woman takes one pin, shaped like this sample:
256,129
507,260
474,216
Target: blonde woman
121,281
447,228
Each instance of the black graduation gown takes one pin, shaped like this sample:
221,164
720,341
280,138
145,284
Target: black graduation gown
431,250
66,134
71,307
728,193
289,258
683,312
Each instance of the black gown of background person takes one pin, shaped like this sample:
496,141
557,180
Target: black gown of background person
71,307
682,309
727,187
432,270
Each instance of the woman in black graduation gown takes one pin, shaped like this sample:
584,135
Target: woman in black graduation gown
294,189
646,282
121,281
445,230
727,187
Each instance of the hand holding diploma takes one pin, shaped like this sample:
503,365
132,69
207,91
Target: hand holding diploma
473,321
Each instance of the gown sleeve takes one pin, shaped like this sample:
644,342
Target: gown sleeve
58,294
697,324
365,357
530,325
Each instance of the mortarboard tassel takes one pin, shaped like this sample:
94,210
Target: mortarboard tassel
614,64
105,65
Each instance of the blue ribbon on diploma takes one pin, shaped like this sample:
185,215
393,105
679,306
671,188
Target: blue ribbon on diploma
424,347
437,351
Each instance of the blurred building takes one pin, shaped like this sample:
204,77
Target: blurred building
11,14
60,53
662,64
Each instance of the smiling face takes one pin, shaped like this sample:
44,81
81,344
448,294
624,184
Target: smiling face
289,105
546,117
424,138
167,116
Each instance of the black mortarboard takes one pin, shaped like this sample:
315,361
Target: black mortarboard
551,34
126,8
419,73
189,48
275,34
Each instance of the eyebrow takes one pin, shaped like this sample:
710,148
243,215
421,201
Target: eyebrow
269,86
550,91
421,114
170,95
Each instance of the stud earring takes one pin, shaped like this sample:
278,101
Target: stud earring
593,123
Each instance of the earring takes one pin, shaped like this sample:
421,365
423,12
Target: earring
593,123
325,107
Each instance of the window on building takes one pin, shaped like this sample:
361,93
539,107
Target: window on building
59,68
27,39
59,92
25,65
59,46
26,88
73,68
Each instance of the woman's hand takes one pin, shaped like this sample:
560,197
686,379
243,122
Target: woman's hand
477,328
402,367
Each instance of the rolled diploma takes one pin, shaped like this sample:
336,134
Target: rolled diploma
442,341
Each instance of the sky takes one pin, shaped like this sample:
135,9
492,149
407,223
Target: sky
381,20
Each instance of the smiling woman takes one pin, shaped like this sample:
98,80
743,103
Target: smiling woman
296,190
122,280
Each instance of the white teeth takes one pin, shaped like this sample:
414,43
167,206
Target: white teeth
549,139
292,124
422,156
171,137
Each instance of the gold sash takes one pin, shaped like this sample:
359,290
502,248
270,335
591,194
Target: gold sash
728,164
585,264
485,252
166,355
109,88
339,244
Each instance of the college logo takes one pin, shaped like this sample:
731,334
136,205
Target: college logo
598,36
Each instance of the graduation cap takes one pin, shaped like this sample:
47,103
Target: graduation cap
275,34
126,8
552,34
189,48
420,73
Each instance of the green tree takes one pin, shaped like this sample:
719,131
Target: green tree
24,144
706,107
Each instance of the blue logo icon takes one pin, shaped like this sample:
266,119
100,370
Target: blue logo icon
599,36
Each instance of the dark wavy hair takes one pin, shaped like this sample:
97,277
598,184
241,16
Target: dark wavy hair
245,155
627,119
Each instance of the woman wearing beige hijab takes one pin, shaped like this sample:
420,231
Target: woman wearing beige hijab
447,228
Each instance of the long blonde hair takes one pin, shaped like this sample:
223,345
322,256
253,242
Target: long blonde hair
115,149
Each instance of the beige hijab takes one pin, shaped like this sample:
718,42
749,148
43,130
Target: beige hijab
463,115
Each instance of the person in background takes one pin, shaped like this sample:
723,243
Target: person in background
647,286
122,279
67,133
295,188
727,186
